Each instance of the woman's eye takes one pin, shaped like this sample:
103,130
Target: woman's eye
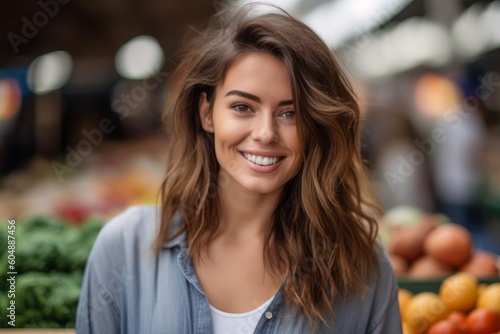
290,114
241,108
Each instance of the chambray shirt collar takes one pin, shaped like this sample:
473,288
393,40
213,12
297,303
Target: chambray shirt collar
179,240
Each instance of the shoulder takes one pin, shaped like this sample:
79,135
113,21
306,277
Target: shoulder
383,278
384,313
124,239
373,311
133,224
376,310
120,268
129,238
385,267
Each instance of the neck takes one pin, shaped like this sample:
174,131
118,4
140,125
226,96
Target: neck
244,213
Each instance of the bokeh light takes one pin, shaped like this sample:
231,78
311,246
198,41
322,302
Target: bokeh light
49,72
140,58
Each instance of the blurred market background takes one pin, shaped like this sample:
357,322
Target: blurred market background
82,86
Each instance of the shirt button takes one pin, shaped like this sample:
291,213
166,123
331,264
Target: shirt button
268,315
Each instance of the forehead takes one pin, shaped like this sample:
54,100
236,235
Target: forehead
258,73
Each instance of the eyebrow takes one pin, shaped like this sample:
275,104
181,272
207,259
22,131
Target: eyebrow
255,97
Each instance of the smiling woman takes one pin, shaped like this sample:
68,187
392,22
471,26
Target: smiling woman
267,222
253,121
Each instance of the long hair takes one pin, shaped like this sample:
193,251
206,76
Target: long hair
324,227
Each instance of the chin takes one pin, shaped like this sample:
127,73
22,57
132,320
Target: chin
261,187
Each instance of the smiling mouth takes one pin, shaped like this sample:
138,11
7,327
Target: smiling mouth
260,160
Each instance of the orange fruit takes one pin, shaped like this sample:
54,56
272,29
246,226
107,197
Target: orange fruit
482,321
459,291
404,297
424,310
480,289
407,329
489,298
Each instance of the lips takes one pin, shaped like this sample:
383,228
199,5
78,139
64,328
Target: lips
261,160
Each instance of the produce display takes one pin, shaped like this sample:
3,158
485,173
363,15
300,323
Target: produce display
113,178
50,260
462,306
446,285
57,221
429,246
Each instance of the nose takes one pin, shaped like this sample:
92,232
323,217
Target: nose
265,129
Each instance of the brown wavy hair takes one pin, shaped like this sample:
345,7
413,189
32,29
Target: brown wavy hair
324,227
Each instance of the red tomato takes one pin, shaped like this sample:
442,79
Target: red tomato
483,321
457,317
447,327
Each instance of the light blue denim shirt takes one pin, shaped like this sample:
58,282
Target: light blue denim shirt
127,289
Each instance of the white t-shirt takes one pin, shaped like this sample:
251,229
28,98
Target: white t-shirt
237,323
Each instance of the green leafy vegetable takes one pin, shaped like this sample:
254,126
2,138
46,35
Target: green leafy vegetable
50,260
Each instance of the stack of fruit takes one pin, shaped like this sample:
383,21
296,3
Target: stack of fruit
424,246
462,306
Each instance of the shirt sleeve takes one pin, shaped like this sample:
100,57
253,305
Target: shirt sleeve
99,308
387,318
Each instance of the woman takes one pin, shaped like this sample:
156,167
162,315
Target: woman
266,224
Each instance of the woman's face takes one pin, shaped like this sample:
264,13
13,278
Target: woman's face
254,124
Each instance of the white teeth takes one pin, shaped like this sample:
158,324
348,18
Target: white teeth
262,161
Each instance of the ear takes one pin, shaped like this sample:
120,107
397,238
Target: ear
205,114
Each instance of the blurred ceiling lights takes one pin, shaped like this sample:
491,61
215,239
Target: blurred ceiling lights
477,31
49,72
341,20
348,25
414,42
419,41
140,58
288,5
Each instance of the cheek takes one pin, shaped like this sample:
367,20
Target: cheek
293,141
296,146
229,134
228,130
